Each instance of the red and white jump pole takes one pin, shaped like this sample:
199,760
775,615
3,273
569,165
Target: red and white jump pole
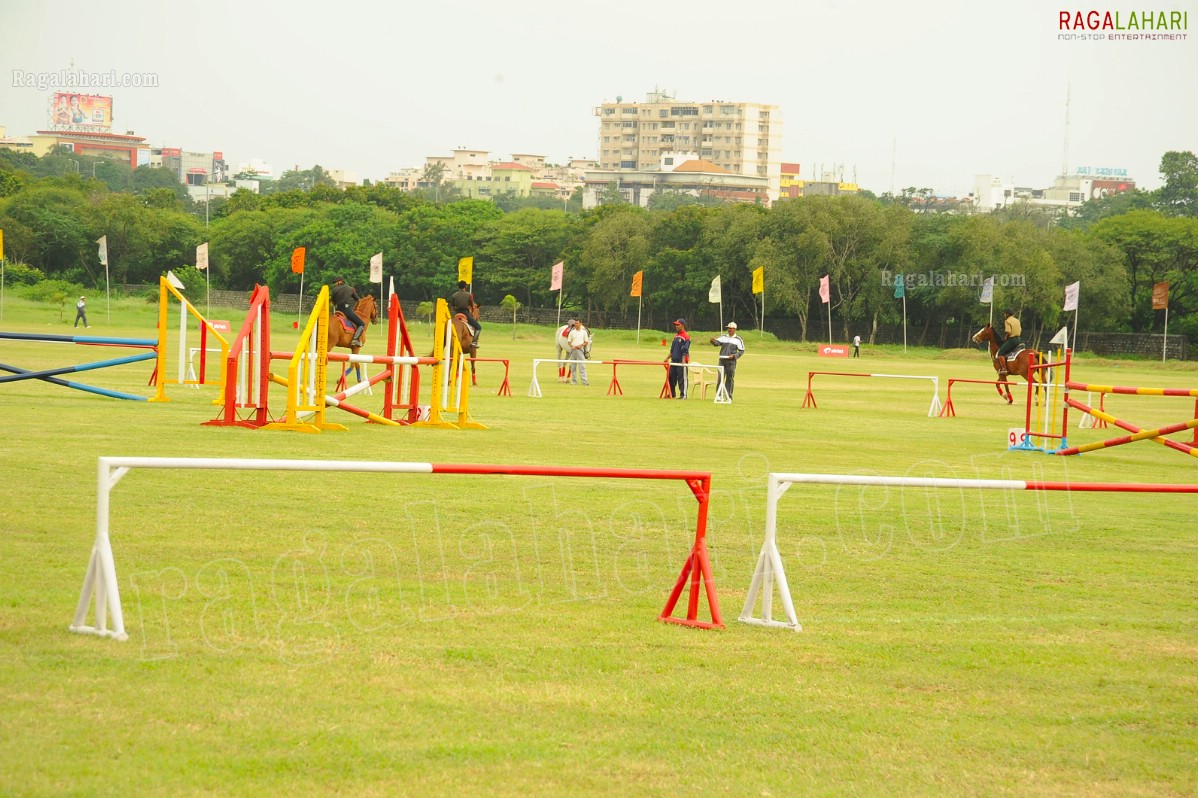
933,409
100,582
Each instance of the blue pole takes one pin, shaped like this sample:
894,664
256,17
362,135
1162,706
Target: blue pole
77,385
80,339
120,361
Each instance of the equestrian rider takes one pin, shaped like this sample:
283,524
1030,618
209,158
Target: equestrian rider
1013,330
345,299
462,301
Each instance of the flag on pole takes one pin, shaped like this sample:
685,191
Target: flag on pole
466,270
555,282
103,253
714,295
202,256
376,268
1071,292
1160,296
987,297
636,284
1,245
759,280
900,287
297,260
825,289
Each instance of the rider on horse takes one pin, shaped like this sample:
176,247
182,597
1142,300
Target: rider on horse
1013,330
462,301
345,299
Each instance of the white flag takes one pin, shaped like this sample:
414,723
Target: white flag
103,242
1071,292
376,268
987,296
714,296
202,256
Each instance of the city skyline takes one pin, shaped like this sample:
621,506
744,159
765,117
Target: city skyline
927,94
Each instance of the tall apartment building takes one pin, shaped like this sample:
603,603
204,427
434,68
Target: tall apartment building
744,138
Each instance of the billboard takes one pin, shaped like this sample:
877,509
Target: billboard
80,110
1104,188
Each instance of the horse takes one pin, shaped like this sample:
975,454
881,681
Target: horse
563,350
1017,365
341,332
465,335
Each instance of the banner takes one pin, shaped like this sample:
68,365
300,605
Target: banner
103,253
900,287
466,270
376,268
80,110
825,289
636,284
202,256
297,260
555,283
1071,292
1160,296
759,280
1,245
987,297
714,295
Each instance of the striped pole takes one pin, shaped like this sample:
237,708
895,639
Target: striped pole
1139,434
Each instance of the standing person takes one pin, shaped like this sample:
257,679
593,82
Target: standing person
731,348
579,342
462,301
345,299
563,350
856,346
680,353
1013,330
81,312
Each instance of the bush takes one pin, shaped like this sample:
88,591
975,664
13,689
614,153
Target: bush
54,292
17,273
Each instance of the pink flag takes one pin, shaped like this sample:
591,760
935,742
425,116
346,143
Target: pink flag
556,283
825,292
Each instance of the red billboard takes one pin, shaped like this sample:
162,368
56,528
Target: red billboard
1105,188
172,152
80,110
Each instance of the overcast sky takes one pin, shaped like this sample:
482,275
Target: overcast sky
938,90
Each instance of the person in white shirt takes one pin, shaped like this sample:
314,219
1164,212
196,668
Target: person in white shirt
731,348
81,312
856,346
579,341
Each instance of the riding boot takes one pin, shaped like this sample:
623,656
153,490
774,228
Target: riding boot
356,341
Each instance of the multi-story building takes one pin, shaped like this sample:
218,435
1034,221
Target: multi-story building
742,138
1067,192
682,173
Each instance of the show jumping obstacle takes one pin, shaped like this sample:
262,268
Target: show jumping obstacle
100,581
505,388
770,571
949,410
933,409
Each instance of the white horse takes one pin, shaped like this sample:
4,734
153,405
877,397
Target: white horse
563,350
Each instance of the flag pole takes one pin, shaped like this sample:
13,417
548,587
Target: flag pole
559,307
107,291
1165,339
991,322
762,334
829,303
904,321
300,315
638,319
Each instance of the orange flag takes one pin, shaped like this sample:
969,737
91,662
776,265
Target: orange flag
636,284
297,260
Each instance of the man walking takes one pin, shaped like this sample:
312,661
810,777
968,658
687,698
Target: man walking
856,346
731,348
81,312
345,299
577,341
680,354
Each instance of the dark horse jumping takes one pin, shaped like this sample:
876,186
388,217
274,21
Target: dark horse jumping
1017,365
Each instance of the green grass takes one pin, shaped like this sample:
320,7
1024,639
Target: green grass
429,635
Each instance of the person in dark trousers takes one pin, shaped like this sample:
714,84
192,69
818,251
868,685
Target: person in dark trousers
680,354
345,299
731,348
81,312
1013,330
462,301
856,346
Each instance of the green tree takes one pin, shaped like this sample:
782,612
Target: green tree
1179,195
615,248
509,302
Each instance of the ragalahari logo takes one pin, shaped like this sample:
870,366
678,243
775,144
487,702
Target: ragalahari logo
1123,25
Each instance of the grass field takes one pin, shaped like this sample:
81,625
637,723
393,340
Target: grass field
440,635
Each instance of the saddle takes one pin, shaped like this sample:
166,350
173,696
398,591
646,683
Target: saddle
345,323
1012,355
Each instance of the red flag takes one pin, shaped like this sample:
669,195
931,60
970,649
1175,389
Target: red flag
825,291
555,284
297,260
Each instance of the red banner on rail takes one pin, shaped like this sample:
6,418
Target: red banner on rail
833,350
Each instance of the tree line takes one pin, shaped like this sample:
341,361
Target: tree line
1118,247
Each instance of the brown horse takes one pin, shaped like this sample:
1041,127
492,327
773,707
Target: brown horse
465,334
341,331
1017,366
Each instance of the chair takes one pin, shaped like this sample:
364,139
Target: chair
697,377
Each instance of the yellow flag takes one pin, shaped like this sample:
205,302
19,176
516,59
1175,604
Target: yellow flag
466,269
636,284
759,280
1,245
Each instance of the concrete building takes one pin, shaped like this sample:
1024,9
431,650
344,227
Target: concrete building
1066,193
679,173
741,138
